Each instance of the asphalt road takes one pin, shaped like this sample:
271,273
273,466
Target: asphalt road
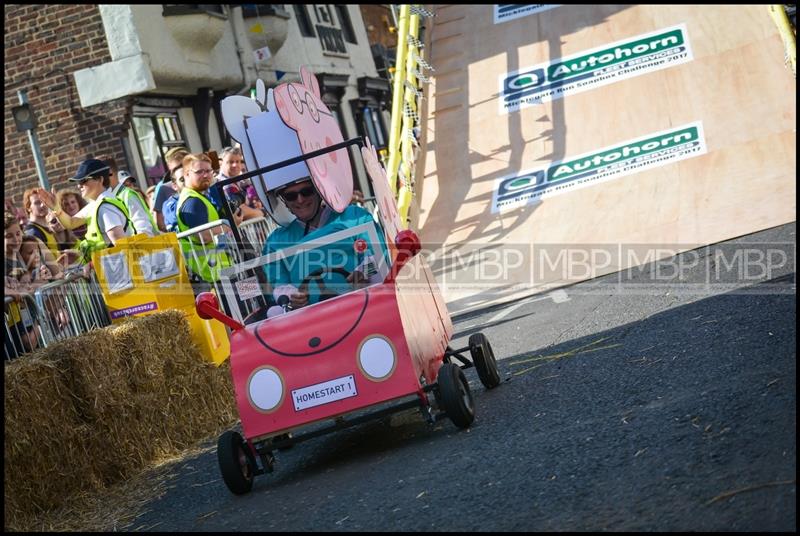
632,402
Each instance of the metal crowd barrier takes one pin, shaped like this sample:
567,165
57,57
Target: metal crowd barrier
56,311
256,232
22,331
70,306
220,248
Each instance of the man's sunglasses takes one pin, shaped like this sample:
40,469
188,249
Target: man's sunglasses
306,192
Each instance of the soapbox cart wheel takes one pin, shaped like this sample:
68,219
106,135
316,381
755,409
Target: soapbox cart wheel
235,462
483,358
455,395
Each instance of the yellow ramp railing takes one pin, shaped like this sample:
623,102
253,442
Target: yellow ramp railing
778,13
406,99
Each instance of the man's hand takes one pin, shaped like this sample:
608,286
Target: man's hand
299,299
357,279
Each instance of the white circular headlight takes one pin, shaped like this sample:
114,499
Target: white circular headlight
265,389
376,358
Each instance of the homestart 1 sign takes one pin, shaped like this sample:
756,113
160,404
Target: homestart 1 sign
594,68
599,166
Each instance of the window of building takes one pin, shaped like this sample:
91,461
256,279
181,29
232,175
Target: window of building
189,9
370,122
346,23
156,133
303,21
264,10
368,110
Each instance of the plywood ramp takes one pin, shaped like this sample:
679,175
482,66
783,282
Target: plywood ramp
665,128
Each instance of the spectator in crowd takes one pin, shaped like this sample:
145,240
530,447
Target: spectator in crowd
130,181
143,221
174,160
194,209
231,163
21,328
71,202
106,217
12,240
149,196
13,210
170,206
39,261
252,199
38,224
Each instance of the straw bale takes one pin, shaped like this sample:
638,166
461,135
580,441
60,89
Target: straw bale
45,457
102,406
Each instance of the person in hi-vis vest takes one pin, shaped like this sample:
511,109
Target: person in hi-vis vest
106,218
138,209
196,209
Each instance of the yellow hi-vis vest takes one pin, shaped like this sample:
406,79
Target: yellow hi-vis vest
50,239
94,240
203,259
126,194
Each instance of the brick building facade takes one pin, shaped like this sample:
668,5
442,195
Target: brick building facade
129,81
44,45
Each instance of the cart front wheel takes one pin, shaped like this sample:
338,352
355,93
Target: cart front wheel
485,363
455,395
235,464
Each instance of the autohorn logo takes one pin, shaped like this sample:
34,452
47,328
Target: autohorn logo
654,150
598,67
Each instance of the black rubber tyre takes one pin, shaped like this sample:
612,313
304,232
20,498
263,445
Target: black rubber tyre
235,463
455,395
483,358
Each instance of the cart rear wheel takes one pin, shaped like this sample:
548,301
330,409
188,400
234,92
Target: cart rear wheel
235,463
485,363
455,395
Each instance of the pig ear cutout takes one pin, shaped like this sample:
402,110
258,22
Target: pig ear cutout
310,81
235,109
261,93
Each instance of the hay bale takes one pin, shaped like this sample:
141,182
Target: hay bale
45,455
123,396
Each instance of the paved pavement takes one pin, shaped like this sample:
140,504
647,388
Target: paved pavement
631,402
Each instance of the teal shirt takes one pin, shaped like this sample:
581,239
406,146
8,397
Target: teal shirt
292,270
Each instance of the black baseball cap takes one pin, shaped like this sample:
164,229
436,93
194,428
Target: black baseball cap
90,168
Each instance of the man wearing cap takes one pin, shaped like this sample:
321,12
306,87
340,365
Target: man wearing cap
141,218
106,217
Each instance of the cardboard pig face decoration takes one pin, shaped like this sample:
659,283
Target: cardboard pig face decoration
285,122
301,108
